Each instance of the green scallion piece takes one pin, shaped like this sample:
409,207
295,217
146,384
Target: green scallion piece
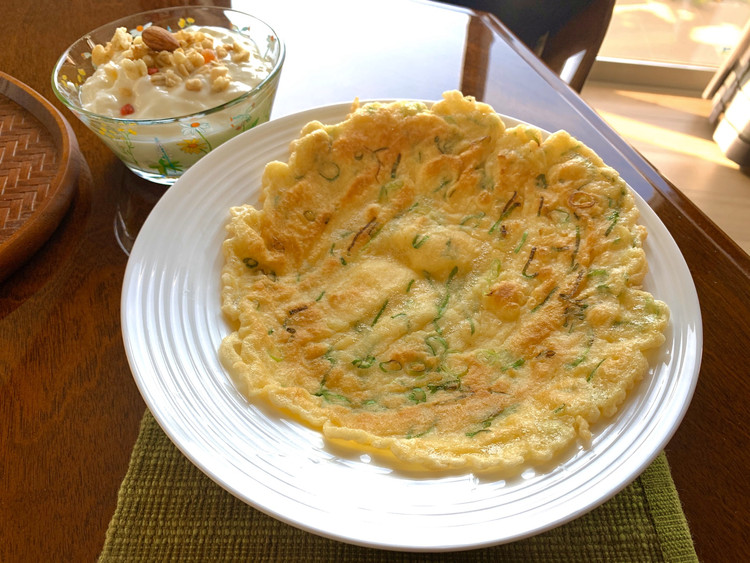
419,240
395,165
443,305
332,397
526,266
514,365
418,395
452,385
580,359
274,357
494,226
577,247
452,274
590,376
389,187
596,272
380,312
445,182
434,342
495,269
330,171
546,298
613,217
390,365
364,363
487,422
472,220
517,249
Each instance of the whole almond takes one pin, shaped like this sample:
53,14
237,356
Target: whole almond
159,39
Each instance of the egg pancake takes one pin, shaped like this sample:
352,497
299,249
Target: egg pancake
427,281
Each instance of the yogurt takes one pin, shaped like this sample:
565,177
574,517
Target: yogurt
211,66
147,96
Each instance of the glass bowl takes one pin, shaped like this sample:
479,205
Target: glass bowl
162,149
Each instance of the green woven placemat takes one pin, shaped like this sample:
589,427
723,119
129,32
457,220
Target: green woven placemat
168,510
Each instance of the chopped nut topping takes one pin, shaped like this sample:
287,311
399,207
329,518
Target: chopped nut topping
240,54
111,72
167,78
220,84
197,61
99,55
195,58
184,69
120,40
179,56
194,84
165,59
139,49
218,71
134,69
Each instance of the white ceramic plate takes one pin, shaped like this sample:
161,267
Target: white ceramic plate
172,326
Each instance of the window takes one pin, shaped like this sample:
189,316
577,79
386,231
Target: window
679,35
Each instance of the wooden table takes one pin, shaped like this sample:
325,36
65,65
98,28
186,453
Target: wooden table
69,409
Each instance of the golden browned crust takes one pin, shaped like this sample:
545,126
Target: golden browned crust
425,281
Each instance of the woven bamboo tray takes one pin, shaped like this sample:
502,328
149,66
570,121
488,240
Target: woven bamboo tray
39,169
